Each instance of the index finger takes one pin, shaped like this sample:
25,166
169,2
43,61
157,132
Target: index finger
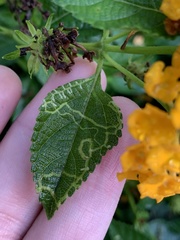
10,89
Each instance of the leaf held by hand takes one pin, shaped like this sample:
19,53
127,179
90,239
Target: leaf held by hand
76,125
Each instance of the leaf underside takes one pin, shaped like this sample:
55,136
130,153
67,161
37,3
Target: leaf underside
122,14
76,125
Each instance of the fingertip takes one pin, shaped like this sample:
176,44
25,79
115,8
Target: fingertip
10,93
82,69
126,105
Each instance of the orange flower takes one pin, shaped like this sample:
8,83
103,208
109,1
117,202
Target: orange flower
162,83
176,58
152,126
175,114
155,161
171,8
158,187
165,160
156,168
133,163
134,158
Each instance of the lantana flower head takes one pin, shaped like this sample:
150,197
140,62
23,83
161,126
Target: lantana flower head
163,82
155,160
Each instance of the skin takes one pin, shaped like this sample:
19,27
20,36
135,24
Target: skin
85,215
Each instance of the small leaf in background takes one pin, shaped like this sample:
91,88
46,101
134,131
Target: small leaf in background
77,124
33,64
2,2
31,28
12,55
108,14
25,38
122,231
49,22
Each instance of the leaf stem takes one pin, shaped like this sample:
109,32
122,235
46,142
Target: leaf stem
100,53
99,68
123,70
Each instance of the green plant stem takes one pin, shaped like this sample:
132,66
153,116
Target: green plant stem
100,53
148,50
115,37
123,70
135,79
131,200
105,35
99,67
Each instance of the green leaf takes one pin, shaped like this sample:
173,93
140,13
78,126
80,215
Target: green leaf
123,231
33,64
77,124
107,14
49,22
12,55
25,38
31,28
2,2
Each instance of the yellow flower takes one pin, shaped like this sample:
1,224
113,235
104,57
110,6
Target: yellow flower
158,187
156,168
162,83
175,114
133,163
133,158
176,58
155,161
165,160
152,126
171,8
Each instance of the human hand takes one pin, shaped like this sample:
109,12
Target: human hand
85,215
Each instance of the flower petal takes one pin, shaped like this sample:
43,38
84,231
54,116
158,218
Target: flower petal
152,126
171,8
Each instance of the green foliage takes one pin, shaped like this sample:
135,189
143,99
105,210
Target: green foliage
77,124
105,14
12,55
123,231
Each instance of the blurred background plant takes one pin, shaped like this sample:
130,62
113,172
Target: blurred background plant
134,218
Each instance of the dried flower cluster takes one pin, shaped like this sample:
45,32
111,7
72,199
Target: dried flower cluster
23,9
52,47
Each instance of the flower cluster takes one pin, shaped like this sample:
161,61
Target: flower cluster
162,82
155,160
171,8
